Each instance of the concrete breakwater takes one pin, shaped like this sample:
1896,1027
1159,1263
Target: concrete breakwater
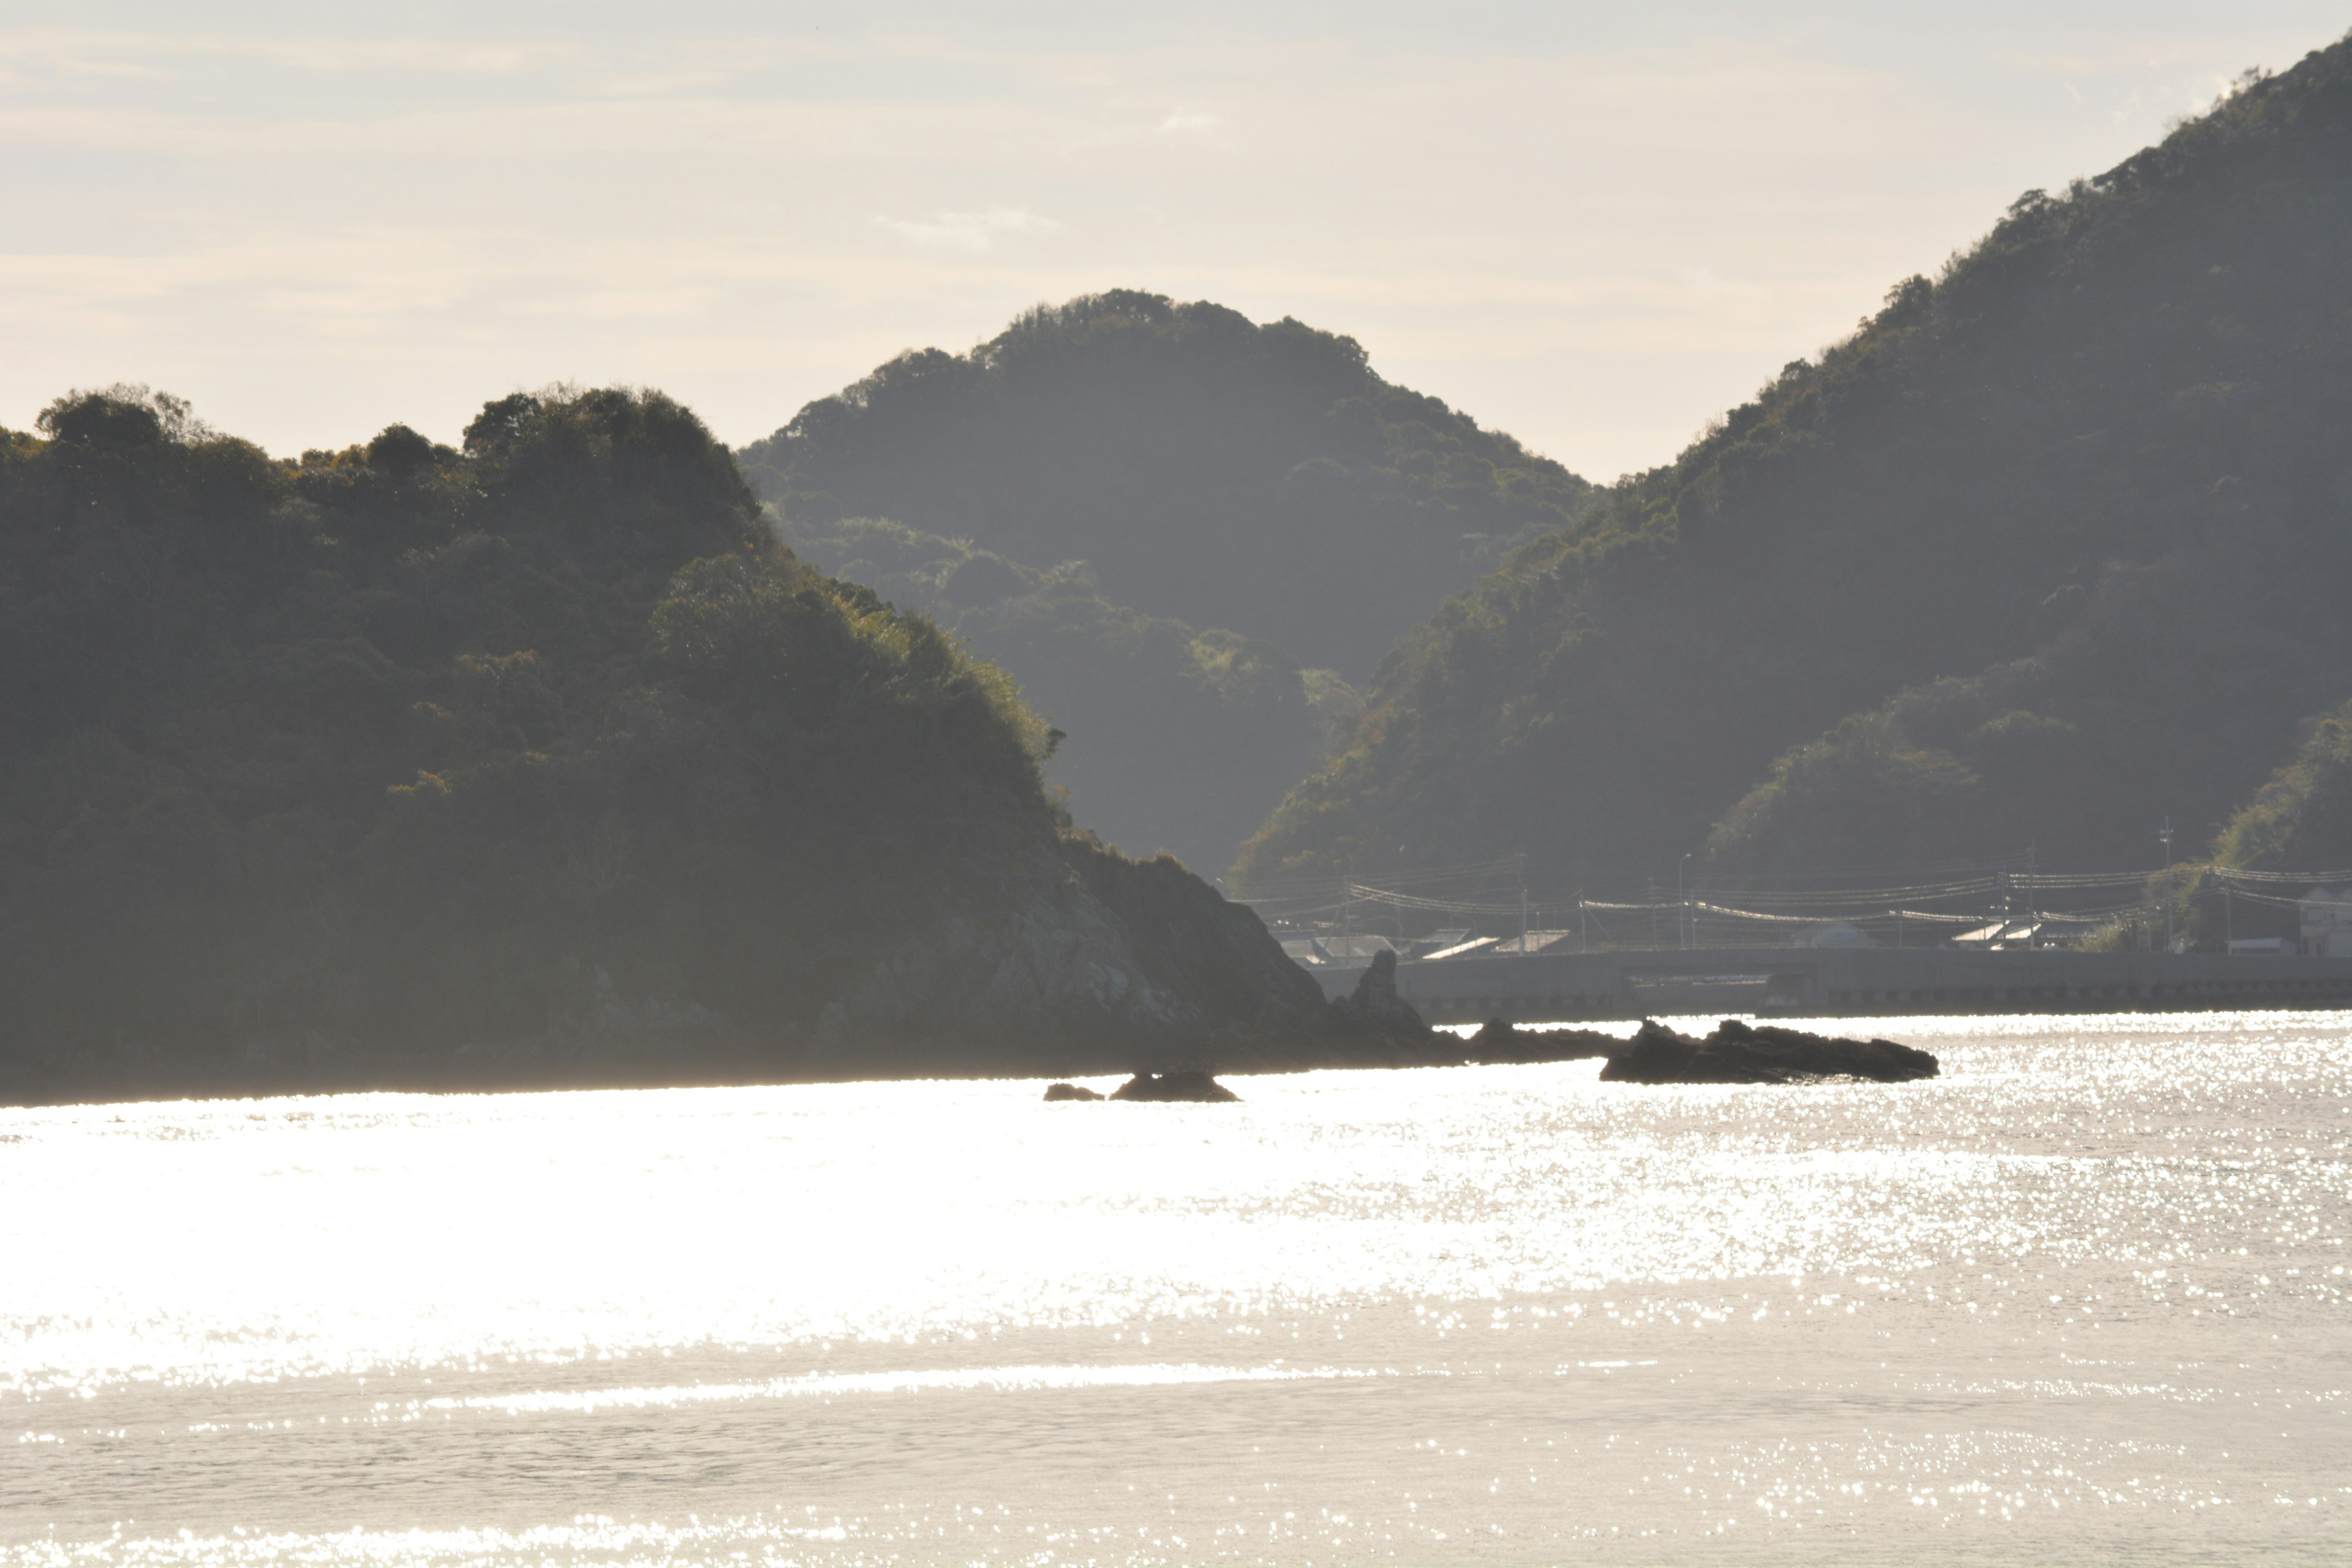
1848,982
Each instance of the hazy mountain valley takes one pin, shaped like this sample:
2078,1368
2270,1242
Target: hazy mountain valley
566,738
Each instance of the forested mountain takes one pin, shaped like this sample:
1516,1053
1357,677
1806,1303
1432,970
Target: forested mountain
538,762
2053,547
1169,738
1207,469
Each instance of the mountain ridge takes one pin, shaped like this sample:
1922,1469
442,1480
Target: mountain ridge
1258,478
2071,511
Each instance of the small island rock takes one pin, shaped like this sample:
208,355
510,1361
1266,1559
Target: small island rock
1499,1041
1069,1091
1744,1053
1375,1006
1173,1085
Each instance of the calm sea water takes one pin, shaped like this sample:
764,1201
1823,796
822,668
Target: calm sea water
2083,1299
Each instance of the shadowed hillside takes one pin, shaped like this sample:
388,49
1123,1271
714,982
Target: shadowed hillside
537,761
2052,548
1169,738
1209,471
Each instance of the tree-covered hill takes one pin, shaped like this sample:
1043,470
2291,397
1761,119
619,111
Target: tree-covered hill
2054,546
1172,739
539,760
1208,469
2297,824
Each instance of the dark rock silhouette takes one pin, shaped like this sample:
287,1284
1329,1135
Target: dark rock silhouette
1117,965
1069,1091
1498,1041
1743,1053
1171,1086
1375,1007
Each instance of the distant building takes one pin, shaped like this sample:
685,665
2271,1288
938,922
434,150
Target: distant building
1537,942
1463,948
2326,921
1835,933
1437,941
2272,946
1343,951
2002,933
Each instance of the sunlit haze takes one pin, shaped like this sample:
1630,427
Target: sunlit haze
1593,228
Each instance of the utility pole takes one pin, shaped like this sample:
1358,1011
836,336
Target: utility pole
1523,901
1682,899
2166,836
1583,924
1398,909
2029,869
1346,922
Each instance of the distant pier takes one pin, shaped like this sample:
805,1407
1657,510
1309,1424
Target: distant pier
1542,987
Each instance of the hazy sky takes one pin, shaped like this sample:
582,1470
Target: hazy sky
1592,225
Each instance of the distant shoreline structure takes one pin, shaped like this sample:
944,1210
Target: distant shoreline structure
1832,983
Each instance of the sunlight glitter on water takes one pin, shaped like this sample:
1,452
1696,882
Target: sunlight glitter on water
2084,1294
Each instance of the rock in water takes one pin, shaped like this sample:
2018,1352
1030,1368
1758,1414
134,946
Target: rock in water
1164,1086
1498,1041
1743,1053
1375,1004
1069,1091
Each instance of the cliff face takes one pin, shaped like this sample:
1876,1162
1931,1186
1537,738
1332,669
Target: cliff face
533,763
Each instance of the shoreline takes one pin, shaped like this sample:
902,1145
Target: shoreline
1452,1040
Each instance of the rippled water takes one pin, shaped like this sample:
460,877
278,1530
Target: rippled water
2081,1299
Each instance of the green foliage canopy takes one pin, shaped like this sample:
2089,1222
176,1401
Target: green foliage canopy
410,746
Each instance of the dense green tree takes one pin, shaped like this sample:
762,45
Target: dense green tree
337,766
2301,820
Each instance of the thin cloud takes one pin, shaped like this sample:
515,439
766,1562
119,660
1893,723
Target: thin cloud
1706,280
969,231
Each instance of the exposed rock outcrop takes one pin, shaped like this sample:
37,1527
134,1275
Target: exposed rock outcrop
1110,964
1499,1041
1183,1085
1059,1091
1376,1015
1743,1053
